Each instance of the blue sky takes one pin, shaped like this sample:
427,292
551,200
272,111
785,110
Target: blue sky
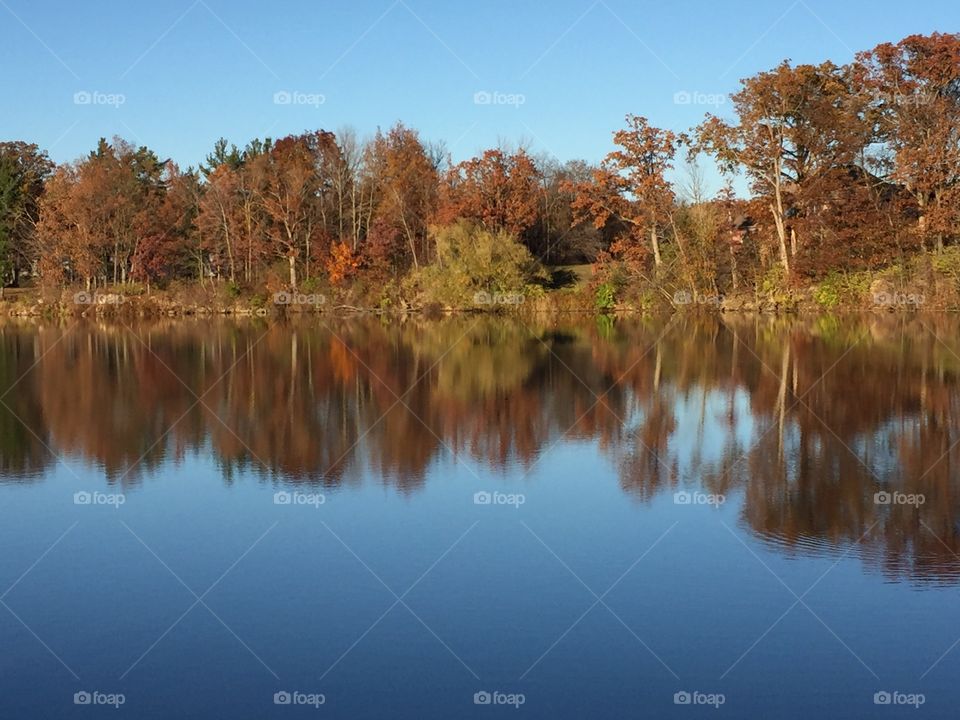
560,75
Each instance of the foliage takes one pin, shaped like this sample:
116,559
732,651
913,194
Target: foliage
471,260
852,168
605,297
841,289
342,263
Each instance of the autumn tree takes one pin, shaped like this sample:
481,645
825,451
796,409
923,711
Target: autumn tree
558,236
498,190
295,186
99,210
630,188
166,228
24,169
406,182
915,85
794,124
220,220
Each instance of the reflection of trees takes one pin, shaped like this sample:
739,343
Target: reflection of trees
807,419
23,433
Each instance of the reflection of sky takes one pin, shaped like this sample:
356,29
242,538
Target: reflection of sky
703,432
685,580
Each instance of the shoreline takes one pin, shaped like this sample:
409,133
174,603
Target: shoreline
159,305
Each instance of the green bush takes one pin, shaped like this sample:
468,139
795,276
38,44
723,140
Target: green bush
605,297
838,289
948,262
829,292
474,267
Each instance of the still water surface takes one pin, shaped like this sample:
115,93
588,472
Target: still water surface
586,517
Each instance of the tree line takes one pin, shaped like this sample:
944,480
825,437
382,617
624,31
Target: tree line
850,167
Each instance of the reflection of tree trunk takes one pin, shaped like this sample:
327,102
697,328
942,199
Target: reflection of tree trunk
782,399
657,368
293,372
734,355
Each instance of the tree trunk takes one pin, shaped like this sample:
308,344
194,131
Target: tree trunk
734,276
291,258
655,244
777,212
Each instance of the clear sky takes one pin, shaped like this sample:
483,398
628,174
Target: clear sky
176,75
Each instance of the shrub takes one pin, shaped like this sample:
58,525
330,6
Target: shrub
605,297
471,261
841,289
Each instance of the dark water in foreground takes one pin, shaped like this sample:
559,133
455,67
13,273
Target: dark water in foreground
585,517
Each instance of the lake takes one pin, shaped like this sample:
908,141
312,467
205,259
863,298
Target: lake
480,516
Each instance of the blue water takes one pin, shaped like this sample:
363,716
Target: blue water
390,593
